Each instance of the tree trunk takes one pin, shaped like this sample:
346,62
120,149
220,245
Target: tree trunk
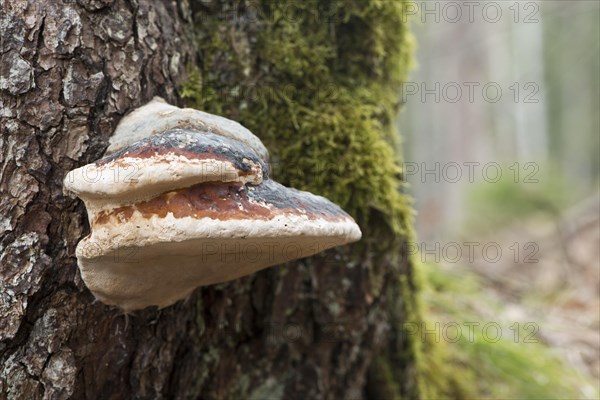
310,329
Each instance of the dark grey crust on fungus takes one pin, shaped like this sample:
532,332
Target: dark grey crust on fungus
285,198
192,144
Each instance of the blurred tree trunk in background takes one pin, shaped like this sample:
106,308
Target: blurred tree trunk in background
310,329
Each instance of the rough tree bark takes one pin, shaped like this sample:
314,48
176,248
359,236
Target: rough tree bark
69,71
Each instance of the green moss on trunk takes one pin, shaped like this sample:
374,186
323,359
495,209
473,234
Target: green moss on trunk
318,82
319,86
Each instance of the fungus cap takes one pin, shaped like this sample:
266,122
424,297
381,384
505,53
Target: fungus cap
158,116
161,162
157,251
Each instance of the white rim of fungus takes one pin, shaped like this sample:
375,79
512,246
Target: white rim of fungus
140,231
131,178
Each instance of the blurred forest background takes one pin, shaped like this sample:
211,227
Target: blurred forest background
501,133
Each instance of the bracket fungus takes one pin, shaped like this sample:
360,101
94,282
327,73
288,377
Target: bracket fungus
183,199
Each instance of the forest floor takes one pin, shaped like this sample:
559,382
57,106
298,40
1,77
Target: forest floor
545,300
558,288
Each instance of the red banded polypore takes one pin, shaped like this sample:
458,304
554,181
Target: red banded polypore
189,207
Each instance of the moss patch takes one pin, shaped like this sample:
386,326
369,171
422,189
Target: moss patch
319,83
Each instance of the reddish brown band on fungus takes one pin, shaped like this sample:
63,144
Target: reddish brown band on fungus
225,201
